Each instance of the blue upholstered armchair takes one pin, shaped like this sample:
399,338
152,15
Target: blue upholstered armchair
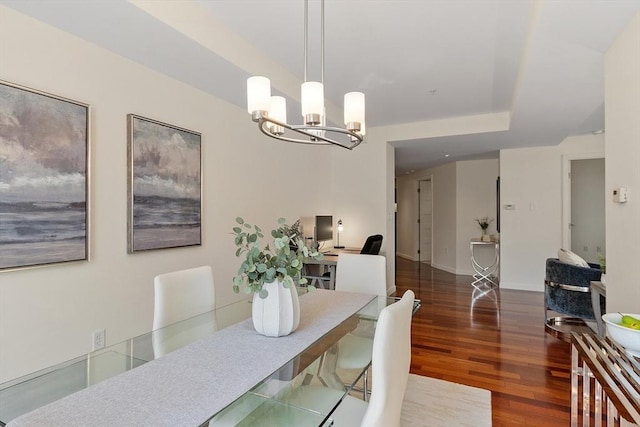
567,293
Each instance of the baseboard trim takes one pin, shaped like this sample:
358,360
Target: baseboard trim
444,268
405,256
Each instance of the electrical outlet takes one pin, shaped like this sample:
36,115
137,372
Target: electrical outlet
585,248
98,339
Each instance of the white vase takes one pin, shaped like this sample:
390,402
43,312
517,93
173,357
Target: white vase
603,279
278,314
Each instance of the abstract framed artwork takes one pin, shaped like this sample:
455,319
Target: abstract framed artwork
44,178
165,187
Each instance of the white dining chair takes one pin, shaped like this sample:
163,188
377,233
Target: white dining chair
364,274
390,365
181,295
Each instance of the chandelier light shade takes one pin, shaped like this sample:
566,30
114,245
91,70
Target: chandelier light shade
312,100
258,94
354,110
270,112
278,110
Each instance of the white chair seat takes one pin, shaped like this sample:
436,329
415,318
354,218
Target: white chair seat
322,399
354,352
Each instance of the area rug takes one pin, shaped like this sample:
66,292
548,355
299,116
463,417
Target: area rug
433,402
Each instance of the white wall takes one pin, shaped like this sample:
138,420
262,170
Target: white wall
531,179
476,198
47,314
361,184
443,180
622,123
462,191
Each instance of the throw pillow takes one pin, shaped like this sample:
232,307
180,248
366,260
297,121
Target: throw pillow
569,257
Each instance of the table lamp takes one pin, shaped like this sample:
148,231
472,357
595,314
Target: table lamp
340,228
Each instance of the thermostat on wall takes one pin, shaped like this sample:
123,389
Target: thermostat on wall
620,195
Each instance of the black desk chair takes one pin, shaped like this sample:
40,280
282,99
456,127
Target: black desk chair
372,245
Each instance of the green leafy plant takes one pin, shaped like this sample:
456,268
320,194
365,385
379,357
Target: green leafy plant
603,264
484,223
283,261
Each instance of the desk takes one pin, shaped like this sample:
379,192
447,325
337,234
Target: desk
484,273
328,262
190,385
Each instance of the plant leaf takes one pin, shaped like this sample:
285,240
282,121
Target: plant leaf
239,220
263,293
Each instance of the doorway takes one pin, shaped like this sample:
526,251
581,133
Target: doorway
585,208
425,220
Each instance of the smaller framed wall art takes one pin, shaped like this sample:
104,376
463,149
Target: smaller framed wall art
44,191
165,187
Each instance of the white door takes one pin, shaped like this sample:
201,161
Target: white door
587,209
426,211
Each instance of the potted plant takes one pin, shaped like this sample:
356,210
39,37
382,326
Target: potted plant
484,225
603,266
271,273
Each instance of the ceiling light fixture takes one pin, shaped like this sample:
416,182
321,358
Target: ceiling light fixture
270,112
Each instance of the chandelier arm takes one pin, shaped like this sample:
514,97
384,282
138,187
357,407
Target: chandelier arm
303,130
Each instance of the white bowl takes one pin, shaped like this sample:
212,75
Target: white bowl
626,337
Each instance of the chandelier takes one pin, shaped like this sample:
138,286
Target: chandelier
270,112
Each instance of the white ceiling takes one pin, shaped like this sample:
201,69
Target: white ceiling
539,63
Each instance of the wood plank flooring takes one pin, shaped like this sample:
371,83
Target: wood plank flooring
493,340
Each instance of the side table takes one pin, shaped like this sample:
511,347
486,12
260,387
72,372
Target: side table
597,289
605,383
484,273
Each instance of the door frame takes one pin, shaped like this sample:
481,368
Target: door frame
566,191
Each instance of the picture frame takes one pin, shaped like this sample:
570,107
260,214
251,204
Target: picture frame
44,178
164,185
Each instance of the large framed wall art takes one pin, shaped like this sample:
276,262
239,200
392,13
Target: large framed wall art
165,188
44,191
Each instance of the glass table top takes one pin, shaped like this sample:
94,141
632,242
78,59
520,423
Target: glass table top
320,365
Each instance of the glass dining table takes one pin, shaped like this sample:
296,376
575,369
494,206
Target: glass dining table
271,401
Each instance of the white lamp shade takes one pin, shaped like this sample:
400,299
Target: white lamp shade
312,98
354,108
258,94
278,109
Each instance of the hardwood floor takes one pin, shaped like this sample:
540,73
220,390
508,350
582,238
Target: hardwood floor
495,341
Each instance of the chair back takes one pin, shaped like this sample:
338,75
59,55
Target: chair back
366,274
372,245
567,288
181,295
390,364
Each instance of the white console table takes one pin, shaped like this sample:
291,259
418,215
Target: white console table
484,272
